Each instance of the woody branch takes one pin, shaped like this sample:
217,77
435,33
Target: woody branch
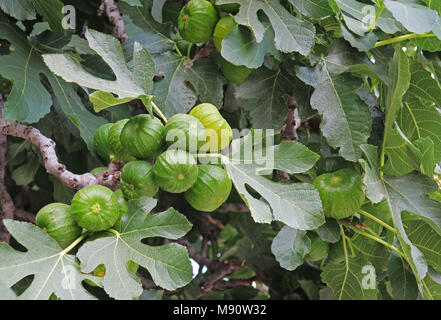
109,178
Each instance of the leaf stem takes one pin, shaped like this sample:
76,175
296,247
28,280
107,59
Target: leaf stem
384,243
343,237
116,233
189,49
322,262
402,38
345,250
74,244
350,245
427,293
177,50
372,217
372,232
377,16
159,112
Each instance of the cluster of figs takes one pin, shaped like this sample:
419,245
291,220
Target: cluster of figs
164,156
199,21
155,156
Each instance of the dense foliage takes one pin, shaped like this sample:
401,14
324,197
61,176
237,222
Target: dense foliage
344,205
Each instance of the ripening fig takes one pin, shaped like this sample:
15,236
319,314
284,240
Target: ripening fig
114,139
211,189
95,208
142,136
56,219
137,180
184,131
341,192
175,171
196,21
219,133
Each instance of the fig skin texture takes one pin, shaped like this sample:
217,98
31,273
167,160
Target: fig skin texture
219,133
98,170
120,152
101,142
57,221
95,208
233,73
175,171
185,132
142,136
122,202
123,208
341,192
5,86
210,190
223,27
197,20
137,180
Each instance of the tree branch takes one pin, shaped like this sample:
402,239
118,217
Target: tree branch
112,12
224,285
293,122
205,51
210,282
214,222
289,133
6,203
24,215
234,207
220,269
199,258
109,178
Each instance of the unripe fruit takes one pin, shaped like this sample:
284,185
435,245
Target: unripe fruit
101,142
137,180
120,152
219,133
319,248
100,271
233,73
197,20
211,189
123,207
183,45
185,132
223,27
341,192
175,171
5,86
57,221
95,208
122,203
142,136
132,267
98,170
